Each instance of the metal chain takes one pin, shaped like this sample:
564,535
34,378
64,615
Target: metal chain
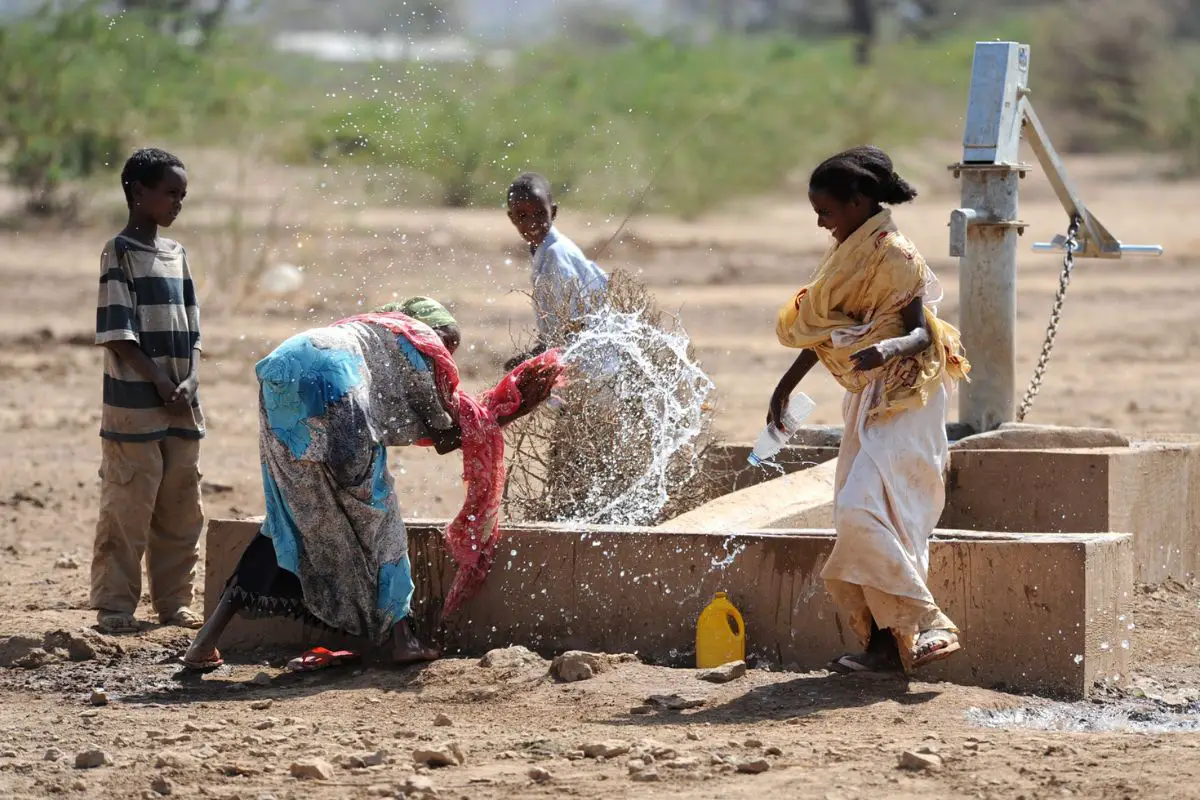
1064,280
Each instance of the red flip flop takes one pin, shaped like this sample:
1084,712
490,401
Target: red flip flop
321,658
204,666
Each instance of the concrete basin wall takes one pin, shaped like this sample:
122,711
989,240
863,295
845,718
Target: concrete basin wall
1039,613
1149,489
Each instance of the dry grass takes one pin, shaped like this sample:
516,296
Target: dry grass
589,461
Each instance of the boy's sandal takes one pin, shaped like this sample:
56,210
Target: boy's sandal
934,645
182,618
116,622
321,658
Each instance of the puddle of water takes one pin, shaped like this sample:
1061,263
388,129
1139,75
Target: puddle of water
1092,718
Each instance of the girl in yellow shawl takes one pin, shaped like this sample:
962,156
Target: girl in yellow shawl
868,316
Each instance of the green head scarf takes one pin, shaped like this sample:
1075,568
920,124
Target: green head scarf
422,309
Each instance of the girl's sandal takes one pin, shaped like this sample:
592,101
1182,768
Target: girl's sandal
320,658
864,664
204,665
934,645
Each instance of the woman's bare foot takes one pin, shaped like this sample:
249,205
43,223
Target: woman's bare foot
407,648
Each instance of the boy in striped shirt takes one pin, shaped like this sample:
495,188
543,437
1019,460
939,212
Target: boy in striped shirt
148,322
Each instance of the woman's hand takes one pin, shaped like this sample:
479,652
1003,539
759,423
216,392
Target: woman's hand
873,357
787,384
536,382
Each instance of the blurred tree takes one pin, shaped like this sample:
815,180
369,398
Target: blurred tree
862,23
178,16
599,23
412,17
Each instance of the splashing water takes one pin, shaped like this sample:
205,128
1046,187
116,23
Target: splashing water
644,376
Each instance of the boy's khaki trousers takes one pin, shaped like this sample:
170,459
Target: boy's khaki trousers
149,505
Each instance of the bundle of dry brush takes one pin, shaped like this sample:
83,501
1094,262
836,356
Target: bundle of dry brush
593,460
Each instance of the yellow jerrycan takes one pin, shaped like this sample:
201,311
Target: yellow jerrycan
720,634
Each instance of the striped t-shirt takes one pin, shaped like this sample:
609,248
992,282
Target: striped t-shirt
147,297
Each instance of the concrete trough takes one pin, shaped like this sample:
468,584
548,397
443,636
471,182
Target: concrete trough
1149,489
1039,612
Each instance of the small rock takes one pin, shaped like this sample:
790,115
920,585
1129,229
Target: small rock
419,786
446,755
693,736
912,760
368,760
610,748
381,790
576,665
204,752
684,762
160,785
647,775
261,705
724,673
90,759
78,785
641,711
53,754
752,743
264,724
237,770
443,721
171,759
8,753
307,769
261,679
515,663
673,702
540,775
773,751
67,562
754,766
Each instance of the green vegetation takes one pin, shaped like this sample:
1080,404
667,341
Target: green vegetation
726,120
78,88
733,117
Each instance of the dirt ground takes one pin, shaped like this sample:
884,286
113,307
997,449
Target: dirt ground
1123,359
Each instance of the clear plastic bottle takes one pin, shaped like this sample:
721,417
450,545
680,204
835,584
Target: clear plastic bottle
772,439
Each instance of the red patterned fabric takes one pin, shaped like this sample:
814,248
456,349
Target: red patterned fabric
473,534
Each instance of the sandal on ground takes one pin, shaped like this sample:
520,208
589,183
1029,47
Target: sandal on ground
321,658
934,645
116,622
865,663
182,618
204,665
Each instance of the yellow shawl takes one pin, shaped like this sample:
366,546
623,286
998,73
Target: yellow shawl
855,301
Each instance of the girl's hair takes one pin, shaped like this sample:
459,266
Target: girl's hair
866,171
